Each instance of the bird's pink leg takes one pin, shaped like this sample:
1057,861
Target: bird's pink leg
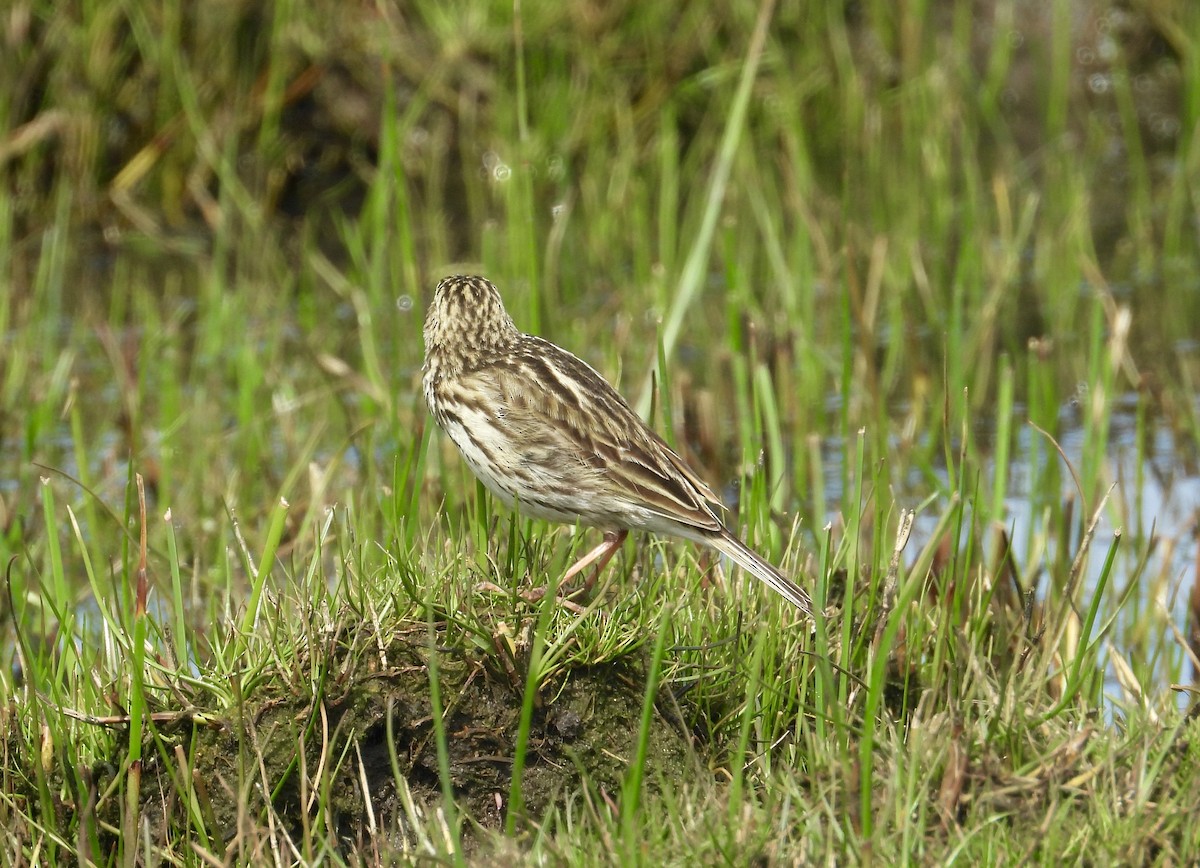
602,554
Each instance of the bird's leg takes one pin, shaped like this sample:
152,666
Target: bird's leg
602,554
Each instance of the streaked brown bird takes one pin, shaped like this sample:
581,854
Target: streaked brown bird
548,435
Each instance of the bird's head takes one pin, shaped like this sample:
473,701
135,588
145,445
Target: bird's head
466,324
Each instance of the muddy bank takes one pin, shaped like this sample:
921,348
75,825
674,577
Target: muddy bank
362,761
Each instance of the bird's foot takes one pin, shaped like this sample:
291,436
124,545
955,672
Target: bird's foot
534,595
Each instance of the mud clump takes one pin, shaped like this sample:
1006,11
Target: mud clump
321,762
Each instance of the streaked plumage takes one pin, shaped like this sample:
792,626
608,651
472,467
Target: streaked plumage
547,434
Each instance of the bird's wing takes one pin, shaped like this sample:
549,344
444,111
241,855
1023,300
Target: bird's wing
550,399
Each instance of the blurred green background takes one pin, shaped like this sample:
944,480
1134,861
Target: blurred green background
222,223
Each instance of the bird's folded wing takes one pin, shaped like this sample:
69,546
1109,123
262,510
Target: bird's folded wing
549,398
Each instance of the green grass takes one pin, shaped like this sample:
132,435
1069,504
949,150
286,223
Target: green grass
894,304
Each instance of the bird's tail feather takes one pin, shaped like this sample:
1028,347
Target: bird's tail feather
764,571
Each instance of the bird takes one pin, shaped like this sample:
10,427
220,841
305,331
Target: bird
550,437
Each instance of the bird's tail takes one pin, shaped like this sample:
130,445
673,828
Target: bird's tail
748,559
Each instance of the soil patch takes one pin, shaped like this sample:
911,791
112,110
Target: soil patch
372,751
